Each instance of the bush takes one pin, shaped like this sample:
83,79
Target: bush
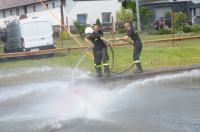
187,29
121,30
80,28
195,29
168,19
146,16
181,21
65,35
98,22
125,15
161,31
165,31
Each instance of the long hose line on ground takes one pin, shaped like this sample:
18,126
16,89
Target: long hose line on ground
126,70
112,53
113,58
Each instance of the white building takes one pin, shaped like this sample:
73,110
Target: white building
84,11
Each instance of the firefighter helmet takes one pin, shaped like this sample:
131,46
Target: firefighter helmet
89,30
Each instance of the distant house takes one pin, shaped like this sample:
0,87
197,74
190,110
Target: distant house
84,11
161,7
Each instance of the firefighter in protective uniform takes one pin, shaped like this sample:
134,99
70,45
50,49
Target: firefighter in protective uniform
132,33
94,38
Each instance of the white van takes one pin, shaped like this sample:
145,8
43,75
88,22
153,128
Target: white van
31,34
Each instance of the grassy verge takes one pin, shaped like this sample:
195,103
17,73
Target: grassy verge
153,56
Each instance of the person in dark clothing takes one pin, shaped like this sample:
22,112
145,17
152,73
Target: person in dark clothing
132,33
99,51
3,35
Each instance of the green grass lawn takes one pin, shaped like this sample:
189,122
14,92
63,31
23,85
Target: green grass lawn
153,55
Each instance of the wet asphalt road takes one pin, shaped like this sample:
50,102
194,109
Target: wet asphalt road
167,103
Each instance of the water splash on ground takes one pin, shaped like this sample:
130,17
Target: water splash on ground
41,99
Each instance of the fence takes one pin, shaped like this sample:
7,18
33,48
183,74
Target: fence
59,50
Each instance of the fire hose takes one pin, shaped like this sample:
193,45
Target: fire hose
88,48
113,60
112,54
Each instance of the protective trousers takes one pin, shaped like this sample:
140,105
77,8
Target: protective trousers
101,55
136,58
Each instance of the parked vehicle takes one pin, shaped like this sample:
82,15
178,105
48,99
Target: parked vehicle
31,34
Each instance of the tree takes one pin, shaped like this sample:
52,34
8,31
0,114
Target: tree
168,15
98,22
80,28
146,15
125,15
129,4
168,19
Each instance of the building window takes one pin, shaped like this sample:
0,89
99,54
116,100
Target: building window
25,9
106,17
197,11
11,12
194,12
82,18
53,5
4,13
17,11
34,9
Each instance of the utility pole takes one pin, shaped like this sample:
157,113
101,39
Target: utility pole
62,2
173,23
138,15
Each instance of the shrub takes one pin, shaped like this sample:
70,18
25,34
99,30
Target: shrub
168,19
168,15
121,30
80,28
146,16
195,29
187,29
165,31
98,22
65,35
181,21
125,15
160,31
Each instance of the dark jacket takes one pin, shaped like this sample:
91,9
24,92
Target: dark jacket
133,34
97,41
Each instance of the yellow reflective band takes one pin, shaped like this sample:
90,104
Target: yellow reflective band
138,61
97,66
106,64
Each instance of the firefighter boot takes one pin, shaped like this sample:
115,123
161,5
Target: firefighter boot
98,72
107,71
139,68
